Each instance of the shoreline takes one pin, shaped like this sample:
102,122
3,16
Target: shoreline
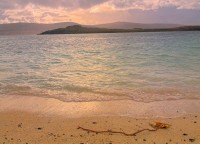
51,106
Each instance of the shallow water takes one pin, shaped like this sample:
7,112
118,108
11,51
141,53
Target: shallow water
143,67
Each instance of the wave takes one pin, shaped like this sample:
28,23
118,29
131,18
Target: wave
84,94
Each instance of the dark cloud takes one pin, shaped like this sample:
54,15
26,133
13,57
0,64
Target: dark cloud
4,4
155,4
71,4
166,15
90,3
124,3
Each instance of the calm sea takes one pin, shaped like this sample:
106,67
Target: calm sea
142,67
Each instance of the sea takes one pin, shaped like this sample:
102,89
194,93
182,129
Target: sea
141,67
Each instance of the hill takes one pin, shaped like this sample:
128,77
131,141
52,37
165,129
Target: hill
78,29
129,25
35,28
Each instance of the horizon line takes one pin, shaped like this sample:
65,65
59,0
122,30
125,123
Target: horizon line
98,23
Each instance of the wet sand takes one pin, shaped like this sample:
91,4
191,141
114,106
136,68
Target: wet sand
31,128
51,106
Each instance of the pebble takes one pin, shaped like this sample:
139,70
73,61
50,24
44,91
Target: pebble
191,139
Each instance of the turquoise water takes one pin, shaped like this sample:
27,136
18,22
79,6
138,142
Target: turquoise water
142,67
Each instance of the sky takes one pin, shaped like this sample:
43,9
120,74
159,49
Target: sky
100,11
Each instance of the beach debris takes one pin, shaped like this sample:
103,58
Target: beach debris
185,134
192,139
20,125
116,132
159,125
156,126
39,128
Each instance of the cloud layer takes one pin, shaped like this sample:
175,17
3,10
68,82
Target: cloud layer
90,11
155,4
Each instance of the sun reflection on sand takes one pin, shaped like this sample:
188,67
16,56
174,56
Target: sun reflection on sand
87,109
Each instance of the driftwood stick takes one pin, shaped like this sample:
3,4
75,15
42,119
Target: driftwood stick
117,132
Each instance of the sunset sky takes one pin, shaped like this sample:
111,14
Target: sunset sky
100,11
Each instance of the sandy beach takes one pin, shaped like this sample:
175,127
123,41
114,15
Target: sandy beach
31,128
33,120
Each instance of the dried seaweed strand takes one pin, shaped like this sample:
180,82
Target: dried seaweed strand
117,132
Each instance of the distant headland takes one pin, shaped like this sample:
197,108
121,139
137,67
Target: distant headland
38,28
78,29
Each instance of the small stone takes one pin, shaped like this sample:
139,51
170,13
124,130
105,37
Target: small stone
94,122
39,128
191,139
19,125
185,134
